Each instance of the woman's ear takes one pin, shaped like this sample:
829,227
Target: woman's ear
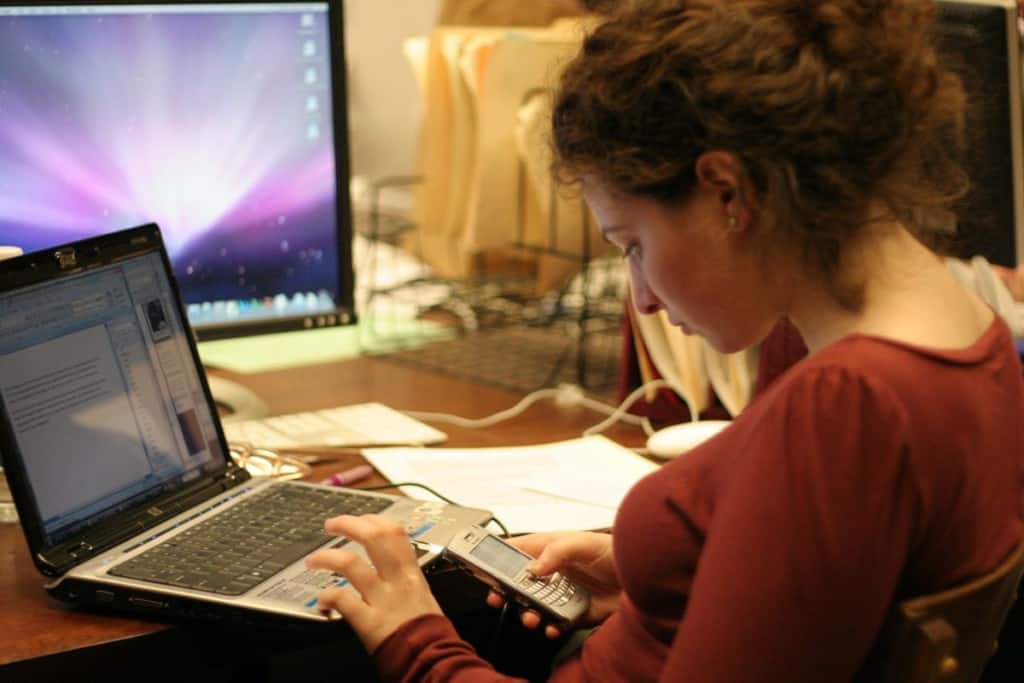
721,174
718,169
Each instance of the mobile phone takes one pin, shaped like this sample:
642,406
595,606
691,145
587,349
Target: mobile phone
502,566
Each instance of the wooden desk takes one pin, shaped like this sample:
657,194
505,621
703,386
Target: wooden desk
41,638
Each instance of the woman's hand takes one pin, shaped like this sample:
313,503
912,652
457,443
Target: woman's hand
390,593
583,557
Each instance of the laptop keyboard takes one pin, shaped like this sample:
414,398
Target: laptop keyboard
248,543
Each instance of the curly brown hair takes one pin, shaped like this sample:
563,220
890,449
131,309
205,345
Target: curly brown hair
830,106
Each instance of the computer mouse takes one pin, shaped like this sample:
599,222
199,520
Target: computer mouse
668,442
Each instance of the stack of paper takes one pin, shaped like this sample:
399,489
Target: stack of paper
567,485
483,146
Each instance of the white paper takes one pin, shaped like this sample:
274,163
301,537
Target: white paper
566,485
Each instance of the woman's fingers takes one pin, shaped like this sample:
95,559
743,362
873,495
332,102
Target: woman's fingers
555,552
354,568
532,544
530,618
387,587
345,602
496,600
555,556
385,542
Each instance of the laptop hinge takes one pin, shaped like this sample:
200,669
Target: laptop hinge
81,551
234,474
99,541
47,567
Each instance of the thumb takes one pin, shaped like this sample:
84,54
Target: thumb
548,562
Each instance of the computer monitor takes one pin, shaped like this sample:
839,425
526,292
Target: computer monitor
223,122
980,40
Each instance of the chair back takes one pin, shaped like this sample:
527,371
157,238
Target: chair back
947,636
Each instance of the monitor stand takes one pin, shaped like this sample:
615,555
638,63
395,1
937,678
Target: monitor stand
234,401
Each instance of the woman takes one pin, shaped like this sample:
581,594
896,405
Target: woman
758,160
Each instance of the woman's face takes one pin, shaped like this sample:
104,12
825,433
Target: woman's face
689,261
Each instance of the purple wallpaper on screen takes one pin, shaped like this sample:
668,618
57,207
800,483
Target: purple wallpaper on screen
218,126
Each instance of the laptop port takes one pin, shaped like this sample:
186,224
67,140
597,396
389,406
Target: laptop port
147,603
104,595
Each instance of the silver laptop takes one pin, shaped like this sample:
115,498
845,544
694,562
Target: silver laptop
118,464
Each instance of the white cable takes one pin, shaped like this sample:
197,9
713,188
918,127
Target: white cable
565,394
599,407
490,420
620,412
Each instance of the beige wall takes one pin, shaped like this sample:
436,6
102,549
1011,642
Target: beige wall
384,105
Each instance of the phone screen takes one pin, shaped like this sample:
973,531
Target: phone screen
501,556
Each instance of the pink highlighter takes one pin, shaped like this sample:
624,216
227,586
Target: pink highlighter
349,476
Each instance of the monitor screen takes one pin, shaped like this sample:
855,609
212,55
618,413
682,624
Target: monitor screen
979,39
224,123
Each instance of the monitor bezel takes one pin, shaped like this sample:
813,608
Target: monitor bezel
1012,42
345,311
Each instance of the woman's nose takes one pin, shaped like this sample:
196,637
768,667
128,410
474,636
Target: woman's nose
643,298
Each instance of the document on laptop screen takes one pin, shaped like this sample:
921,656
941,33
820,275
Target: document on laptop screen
65,398
98,384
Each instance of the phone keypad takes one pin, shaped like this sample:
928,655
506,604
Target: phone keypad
554,589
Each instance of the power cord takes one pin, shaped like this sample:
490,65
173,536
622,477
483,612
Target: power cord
480,423
494,642
564,395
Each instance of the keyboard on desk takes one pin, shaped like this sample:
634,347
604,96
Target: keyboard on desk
248,543
360,424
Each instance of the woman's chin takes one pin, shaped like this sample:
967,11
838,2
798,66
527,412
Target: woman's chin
725,345
683,327
717,342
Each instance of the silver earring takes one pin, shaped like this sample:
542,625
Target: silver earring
732,222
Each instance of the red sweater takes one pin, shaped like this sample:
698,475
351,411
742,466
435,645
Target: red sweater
870,472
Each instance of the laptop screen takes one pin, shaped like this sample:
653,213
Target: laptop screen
101,392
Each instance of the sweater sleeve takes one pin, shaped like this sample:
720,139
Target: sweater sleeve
811,528
429,649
